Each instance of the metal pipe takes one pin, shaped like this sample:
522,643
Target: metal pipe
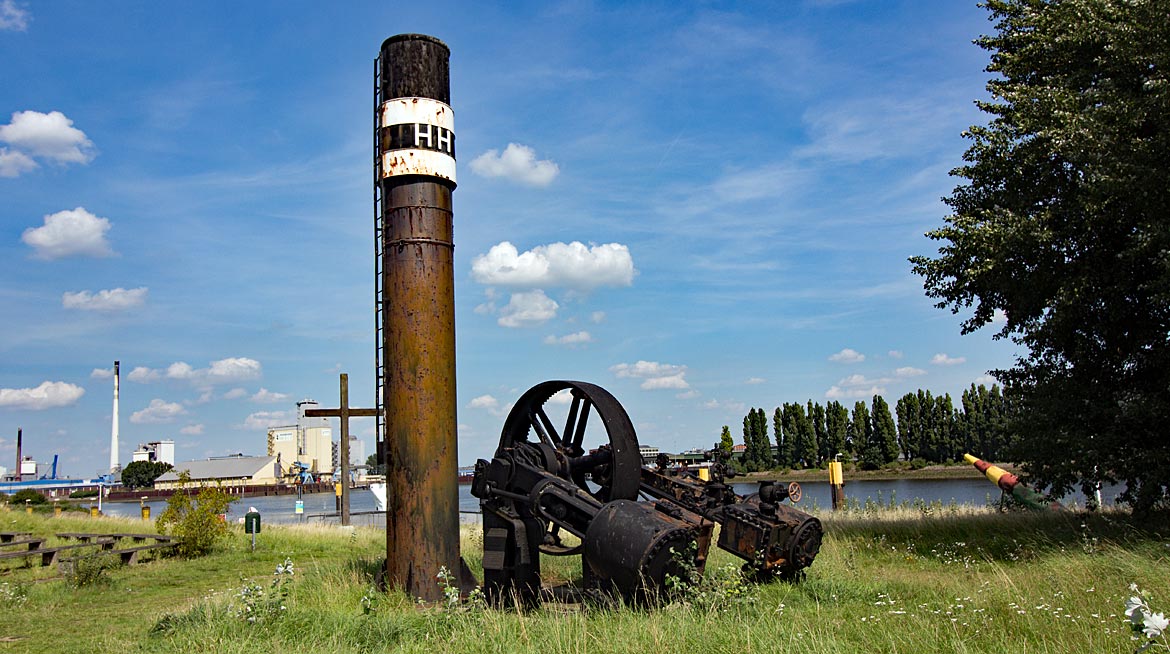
114,467
19,444
416,162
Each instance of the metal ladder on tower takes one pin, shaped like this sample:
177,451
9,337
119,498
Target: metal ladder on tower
379,292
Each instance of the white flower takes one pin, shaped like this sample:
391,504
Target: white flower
1155,624
1133,610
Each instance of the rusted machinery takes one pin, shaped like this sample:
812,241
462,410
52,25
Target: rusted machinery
544,492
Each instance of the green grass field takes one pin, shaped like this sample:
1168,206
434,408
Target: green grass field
932,579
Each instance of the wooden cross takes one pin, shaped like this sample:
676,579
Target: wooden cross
345,412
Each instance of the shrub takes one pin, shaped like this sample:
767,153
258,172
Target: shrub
82,494
195,522
27,495
89,570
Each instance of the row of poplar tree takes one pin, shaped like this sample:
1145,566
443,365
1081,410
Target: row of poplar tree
929,429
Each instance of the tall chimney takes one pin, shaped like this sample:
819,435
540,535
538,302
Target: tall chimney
415,175
114,466
19,439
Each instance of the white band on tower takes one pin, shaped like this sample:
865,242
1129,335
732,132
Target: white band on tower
417,137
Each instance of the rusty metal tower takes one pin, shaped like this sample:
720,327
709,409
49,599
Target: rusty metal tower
414,176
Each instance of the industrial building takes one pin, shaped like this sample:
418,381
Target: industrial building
310,441
155,452
357,454
227,471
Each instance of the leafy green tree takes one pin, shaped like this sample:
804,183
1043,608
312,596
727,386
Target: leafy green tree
806,455
783,443
816,416
725,442
907,412
1060,224
885,434
763,443
837,428
860,429
926,427
141,474
750,460
373,467
27,495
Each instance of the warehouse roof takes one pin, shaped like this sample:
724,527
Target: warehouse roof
224,468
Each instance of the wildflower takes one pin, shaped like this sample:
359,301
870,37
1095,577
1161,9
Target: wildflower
1133,608
1155,624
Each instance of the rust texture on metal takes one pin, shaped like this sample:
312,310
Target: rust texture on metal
418,330
546,481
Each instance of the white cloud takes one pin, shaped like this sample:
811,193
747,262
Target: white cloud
985,380
266,419
265,395
484,402
115,299
518,164
12,17
655,375
158,411
234,368
838,393
576,338
941,359
563,396
998,317
725,405
895,354
13,163
870,128
490,404
192,430
223,371
570,265
528,310
68,233
848,355
102,373
909,371
751,381
235,394
857,387
688,395
48,137
180,370
597,317
144,375
46,396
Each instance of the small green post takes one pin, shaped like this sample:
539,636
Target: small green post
252,524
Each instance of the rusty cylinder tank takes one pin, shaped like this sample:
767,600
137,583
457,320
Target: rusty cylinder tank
416,164
634,546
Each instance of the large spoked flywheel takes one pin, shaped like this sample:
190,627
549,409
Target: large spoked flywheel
560,419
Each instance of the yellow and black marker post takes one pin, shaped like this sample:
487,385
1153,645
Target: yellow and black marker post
837,484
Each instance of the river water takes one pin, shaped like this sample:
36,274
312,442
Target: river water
321,507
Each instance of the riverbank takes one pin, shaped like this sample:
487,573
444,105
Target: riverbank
920,580
931,472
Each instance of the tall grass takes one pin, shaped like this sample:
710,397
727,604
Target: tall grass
885,581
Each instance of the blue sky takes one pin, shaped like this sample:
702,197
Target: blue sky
702,207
